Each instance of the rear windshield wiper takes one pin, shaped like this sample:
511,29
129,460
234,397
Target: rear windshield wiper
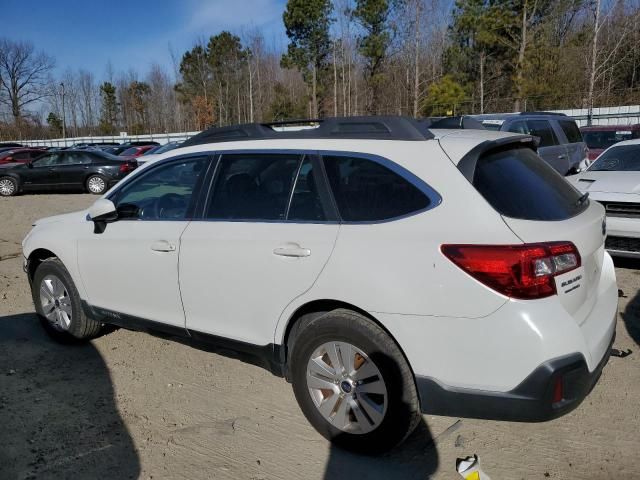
582,199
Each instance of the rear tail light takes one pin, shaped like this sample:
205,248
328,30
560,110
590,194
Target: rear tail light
519,271
127,167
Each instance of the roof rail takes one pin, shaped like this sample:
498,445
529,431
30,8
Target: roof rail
461,121
543,113
365,128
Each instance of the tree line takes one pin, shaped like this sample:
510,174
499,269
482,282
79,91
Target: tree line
346,57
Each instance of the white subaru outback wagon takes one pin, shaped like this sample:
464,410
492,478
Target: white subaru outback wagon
383,268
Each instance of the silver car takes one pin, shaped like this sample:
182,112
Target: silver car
561,144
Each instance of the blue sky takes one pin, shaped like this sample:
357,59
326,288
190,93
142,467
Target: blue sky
134,34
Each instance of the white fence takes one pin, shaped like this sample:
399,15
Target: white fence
624,115
161,138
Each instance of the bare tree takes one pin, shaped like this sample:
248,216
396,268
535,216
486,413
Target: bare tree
23,75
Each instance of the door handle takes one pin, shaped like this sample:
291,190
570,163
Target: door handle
292,251
163,246
562,156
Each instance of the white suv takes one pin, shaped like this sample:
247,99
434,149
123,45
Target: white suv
384,269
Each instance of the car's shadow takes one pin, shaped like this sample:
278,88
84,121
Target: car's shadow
417,457
57,409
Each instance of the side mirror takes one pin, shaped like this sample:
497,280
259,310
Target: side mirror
30,164
103,211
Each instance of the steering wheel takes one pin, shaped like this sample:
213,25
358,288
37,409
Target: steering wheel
168,202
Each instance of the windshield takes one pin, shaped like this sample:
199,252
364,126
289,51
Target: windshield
604,139
625,158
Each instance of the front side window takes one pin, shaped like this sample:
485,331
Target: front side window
253,186
366,191
48,160
163,193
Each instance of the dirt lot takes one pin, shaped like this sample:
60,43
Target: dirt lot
131,405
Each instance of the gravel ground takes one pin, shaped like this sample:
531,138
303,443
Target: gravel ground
133,405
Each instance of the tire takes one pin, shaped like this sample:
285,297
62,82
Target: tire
58,304
361,418
96,184
8,186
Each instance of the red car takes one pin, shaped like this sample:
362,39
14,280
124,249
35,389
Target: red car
20,155
600,137
134,152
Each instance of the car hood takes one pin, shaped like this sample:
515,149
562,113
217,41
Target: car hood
611,182
65,217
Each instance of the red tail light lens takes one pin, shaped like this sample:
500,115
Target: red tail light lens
518,271
127,167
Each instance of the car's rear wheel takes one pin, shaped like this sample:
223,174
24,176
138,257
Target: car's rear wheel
96,184
58,304
8,186
353,383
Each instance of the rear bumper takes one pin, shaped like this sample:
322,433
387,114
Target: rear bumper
530,401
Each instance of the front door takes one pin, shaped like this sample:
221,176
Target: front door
131,269
263,242
42,172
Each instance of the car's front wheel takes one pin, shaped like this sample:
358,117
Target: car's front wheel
96,184
8,186
58,304
353,383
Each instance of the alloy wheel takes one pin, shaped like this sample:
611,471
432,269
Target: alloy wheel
56,303
96,185
7,187
346,387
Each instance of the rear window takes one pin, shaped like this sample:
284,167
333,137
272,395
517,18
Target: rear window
605,138
519,184
571,131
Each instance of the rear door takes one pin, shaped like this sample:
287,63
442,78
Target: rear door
264,239
540,206
577,149
73,169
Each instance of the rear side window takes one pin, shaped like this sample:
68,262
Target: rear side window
253,186
519,184
542,129
367,191
571,131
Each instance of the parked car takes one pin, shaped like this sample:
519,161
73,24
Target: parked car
90,170
381,285
20,155
600,137
134,152
614,180
143,143
10,144
561,144
155,152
